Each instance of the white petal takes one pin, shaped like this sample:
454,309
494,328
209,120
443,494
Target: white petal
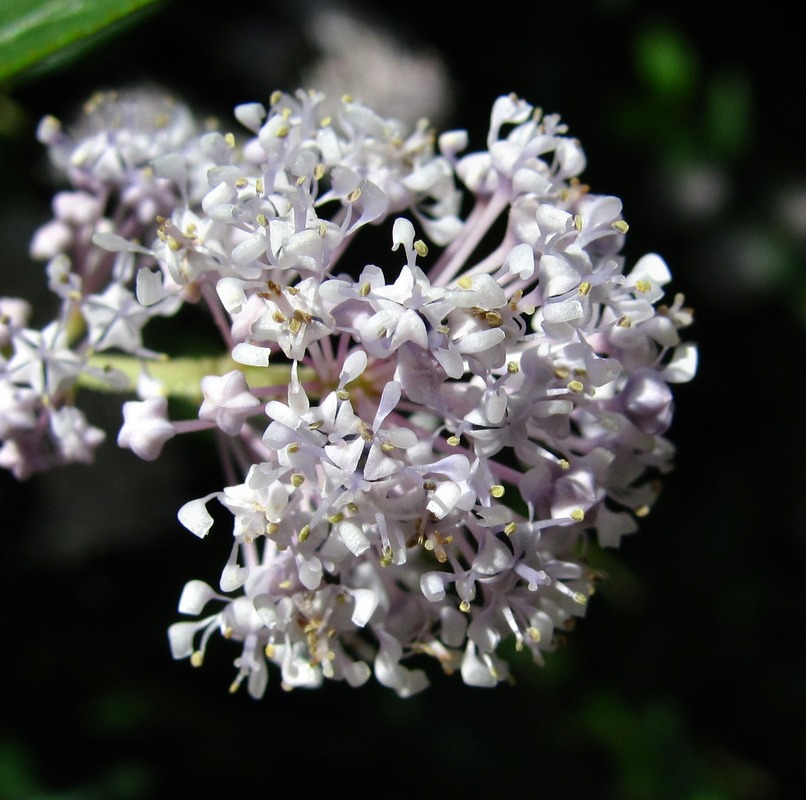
521,261
249,249
353,537
474,671
310,571
353,366
402,233
149,288
563,312
195,516
250,115
233,576
180,637
195,596
479,341
432,585
444,499
251,355
683,365
366,601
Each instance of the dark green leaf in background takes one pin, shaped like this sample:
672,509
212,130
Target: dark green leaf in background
32,31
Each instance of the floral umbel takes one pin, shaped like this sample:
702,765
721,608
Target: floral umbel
418,448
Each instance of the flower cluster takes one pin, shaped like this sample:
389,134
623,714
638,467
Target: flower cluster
418,448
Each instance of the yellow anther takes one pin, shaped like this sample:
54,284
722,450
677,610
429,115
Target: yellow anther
364,290
227,632
641,511
276,97
577,515
387,447
513,368
294,447
196,658
229,138
465,282
533,633
342,394
279,317
643,286
562,372
304,533
174,244
575,386
259,185
580,598
234,686
428,544
624,322
301,180
335,519
325,122
464,606
269,650
585,288
578,222
262,220
453,440
510,528
319,171
286,584
564,463
297,480
322,230
240,183
493,319
421,248
496,490
346,98
282,132
354,195
621,226
272,528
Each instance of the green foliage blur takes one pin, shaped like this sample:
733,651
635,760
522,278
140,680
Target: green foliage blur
684,682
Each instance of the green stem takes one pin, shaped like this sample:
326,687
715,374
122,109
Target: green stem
182,376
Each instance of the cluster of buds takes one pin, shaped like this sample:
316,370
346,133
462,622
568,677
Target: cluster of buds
417,449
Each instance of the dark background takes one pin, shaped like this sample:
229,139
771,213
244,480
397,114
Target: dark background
685,680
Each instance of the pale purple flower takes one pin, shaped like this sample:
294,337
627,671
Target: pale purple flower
417,447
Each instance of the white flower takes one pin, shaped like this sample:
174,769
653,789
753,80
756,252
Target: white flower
146,427
227,401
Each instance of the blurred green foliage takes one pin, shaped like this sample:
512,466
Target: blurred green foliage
37,33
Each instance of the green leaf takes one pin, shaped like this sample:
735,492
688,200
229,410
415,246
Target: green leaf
34,30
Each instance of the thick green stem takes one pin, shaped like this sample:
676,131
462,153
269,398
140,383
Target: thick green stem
182,376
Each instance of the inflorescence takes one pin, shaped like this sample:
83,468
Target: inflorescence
417,448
